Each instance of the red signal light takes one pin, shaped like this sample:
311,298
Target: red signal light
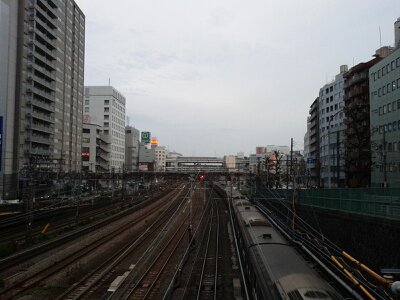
201,177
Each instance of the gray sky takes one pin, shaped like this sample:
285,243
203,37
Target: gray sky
216,77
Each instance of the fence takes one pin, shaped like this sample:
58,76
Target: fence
376,202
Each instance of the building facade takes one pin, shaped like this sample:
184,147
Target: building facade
95,149
384,83
313,158
160,158
105,106
357,135
8,67
331,132
48,60
132,140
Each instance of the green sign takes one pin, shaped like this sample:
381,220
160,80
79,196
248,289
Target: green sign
146,137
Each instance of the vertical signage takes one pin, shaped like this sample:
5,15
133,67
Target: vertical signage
146,137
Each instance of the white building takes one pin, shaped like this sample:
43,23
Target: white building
230,163
332,130
160,158
105,106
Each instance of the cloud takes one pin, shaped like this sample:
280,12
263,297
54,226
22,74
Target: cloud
225,76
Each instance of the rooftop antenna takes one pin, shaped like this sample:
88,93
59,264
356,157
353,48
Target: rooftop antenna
128,120
380,37
109,81
326,77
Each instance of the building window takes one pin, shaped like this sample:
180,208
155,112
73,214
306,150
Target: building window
393,65
106,109
379,73
388,87
331,98
86,109
106,102
106,117
380,111
336,106
383,71
327,100
395,126
379,92
106,124
85,140
384,109
86,102
393,85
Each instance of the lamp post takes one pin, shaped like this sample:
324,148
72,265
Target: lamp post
329,148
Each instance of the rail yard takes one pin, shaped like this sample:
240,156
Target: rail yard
188,239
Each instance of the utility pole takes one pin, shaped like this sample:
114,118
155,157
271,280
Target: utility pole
291,161
123,185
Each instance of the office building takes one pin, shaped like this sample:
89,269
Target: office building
160,158
132,140
331,132
95,149
46,44
105,106
384,85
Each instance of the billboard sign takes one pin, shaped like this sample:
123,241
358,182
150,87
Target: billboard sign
85,154
154,141
86,119
261,150
146,137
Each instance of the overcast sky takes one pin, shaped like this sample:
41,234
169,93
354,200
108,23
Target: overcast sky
216,77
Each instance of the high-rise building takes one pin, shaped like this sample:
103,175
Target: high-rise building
384,88
331,131
8,67
132,140
105,106
49,62
357,110
312,158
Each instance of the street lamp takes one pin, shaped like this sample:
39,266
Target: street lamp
329,149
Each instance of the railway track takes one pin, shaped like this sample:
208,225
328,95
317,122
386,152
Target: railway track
41,276
13,260
146,284
98,276
207,288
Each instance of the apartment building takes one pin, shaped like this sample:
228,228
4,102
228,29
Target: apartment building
331,131
46,45
105,106
312,139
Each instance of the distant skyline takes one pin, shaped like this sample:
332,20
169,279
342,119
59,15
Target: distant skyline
221,77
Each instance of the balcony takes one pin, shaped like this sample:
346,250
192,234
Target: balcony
36,80
46,7
41,93
50,53
38,127
41,104
40,139
41,116
355,79
44,17
43,71
44,25
46,40
40,151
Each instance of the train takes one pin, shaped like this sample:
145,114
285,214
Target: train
273,267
